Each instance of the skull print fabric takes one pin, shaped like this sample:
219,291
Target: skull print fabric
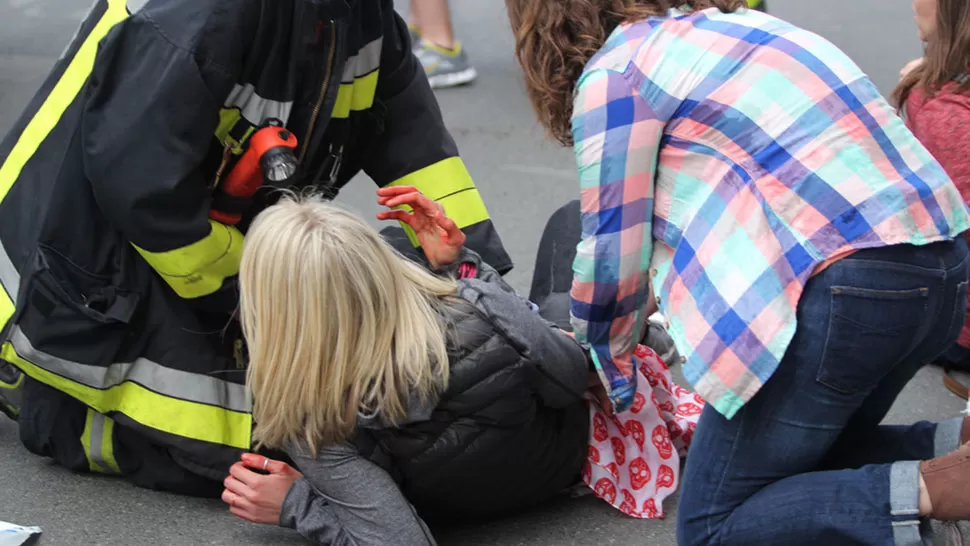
634,457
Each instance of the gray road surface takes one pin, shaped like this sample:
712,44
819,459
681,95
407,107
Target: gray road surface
523,179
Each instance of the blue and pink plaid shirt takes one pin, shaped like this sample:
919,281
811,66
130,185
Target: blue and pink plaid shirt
727,158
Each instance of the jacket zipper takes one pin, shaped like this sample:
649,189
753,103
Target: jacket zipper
323,91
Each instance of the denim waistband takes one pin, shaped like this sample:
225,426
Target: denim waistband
943,256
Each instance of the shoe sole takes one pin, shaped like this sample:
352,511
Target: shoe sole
11,406
453,79
11,412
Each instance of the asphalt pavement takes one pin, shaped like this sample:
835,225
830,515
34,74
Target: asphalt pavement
523,178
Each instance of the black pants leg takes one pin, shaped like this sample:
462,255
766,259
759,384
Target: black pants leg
552,277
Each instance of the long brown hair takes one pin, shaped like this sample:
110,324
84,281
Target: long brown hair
554,39
947,54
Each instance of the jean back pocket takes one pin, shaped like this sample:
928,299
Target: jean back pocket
869,332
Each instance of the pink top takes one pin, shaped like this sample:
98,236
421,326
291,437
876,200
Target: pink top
942,124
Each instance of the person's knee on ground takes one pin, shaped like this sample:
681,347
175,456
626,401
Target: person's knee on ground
711,511
553,271
51,425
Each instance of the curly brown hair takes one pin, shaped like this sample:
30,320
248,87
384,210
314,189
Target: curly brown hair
947,54
554,39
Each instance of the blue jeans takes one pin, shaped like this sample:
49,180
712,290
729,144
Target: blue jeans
806,461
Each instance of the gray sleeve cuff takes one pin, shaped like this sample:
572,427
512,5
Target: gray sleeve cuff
295,502
310,515
451,269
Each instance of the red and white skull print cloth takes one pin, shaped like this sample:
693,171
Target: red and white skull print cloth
634,457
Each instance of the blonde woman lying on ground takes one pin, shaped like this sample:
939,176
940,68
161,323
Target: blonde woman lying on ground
402,393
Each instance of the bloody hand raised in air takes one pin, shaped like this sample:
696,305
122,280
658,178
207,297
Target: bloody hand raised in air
438,234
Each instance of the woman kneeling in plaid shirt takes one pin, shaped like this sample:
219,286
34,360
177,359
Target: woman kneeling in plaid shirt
802,243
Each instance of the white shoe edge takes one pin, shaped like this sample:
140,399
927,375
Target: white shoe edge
453,79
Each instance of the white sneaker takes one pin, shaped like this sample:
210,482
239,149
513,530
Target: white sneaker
445,68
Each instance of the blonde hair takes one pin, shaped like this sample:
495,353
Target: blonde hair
337,322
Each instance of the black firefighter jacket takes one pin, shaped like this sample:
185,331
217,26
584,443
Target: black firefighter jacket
116,284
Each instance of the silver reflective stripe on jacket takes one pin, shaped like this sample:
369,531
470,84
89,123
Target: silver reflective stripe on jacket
160,379
367,60
256,109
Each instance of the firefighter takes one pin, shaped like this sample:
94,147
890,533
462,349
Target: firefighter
117,285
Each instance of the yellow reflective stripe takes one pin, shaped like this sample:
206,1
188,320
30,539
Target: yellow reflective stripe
365,87
465,208
189,386
356,96
173,416
107,444
7,308
170,415
228,117
86,442
449,183
98,443
439,179
63,94
754,3
199,269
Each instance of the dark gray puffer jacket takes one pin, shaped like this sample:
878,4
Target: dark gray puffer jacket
510,431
